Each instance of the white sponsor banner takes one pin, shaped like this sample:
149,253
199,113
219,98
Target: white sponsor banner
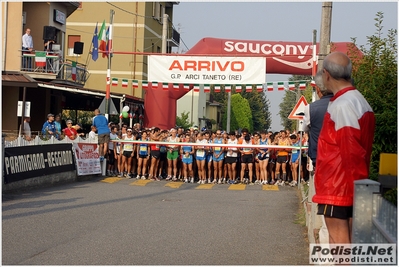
87,158
207,70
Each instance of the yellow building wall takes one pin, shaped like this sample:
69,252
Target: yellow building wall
12,31
36,22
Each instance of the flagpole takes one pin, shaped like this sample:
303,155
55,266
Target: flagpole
108,85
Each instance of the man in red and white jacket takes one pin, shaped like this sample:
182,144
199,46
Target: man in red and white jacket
344,148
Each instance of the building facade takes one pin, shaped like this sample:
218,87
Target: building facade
56,84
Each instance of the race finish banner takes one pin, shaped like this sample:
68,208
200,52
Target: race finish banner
34,161
87,158
207,70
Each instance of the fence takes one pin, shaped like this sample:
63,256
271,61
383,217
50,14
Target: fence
20,141
374,218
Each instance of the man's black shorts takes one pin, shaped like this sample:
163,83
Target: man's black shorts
339,212
282,159
247,158
156,154
230,160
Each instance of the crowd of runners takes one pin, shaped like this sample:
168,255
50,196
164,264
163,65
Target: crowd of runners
201,160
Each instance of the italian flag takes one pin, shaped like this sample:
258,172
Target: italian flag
227,88
280,86
165,86
144,85
73,68
238,88
291,86
186,87
217,88
40,60
135,84
270,86
248,88
196,88
176,86
302,85
207,88
102,37
154,85
313,83
114,81
259,88
124,82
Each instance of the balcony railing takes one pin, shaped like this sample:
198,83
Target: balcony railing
52,67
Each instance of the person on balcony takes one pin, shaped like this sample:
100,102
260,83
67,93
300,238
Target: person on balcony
27,47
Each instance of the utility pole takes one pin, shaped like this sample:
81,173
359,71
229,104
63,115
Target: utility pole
164,32
108,88
325,32
315,221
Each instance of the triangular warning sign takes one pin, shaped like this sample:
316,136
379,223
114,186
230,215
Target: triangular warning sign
112,108
299,109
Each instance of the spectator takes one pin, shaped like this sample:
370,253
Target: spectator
58,124
101,123
92,133
344,148
314,115
27,47
27,130
79,129
48,128
48,45
70,131
313,121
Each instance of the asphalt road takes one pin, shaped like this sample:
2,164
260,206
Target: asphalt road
115,222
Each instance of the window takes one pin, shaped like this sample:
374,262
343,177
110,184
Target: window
162,11
71,42
157,11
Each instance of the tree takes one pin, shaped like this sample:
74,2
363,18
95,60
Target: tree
291,98
375,76
183,121
259,104
259,107
241,115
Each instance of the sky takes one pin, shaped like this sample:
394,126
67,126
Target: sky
278,21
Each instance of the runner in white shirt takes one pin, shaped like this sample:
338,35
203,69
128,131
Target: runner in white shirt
231,157
200,155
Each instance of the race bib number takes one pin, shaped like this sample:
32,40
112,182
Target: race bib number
143,149
128,147
201,153
217,149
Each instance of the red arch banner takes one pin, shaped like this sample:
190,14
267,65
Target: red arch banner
293,58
